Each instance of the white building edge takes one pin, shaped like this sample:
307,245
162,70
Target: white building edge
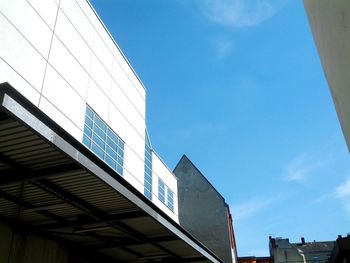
60,56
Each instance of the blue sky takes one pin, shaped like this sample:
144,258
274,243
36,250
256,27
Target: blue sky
238,87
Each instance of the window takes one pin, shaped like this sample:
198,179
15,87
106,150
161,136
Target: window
170,199
148,169
165,195
161,190
103,141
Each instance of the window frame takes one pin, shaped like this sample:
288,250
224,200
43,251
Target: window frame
103,141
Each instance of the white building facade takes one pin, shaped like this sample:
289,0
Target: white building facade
60,56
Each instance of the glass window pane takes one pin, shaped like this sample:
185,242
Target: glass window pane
119,169
110,162
99,132
106,147
98,141
89,112
148,194
148,183
120,152
99,152
121,144
88,122
161,198
111,153
100,123
112,135
87,141
112,144
87,131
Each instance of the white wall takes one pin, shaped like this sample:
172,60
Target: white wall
329,21
59,55
160,170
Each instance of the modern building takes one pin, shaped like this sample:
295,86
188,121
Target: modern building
204,212
80,180
330,26
282,251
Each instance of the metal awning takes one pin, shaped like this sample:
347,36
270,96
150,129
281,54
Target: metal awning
51,185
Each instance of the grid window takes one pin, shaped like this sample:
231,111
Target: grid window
170,200
161,190
165,195
103,141
148,169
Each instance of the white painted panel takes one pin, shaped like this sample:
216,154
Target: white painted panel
117,122
141,89
133,164
165,209
98,101
105,36
160,170
137,101
102,52
28,22
73,41
158,167
78,19
87,10
64,98
135,119
47,9
120,76
133,181
122,62
69,68
118,98
100,75
50,110
136,142
28,63
7,74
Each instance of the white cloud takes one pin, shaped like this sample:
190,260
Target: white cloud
340,193
343,190
239,13
223,47
303,166
250,208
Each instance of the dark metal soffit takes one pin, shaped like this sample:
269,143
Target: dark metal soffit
51,185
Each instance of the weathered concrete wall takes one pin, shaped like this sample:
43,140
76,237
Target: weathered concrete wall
15,248
202,210
330,24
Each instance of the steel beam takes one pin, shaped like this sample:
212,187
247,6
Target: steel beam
131,242
26,205
21,175
86,220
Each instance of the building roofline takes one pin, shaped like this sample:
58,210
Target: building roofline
184,156
160,159
115,43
